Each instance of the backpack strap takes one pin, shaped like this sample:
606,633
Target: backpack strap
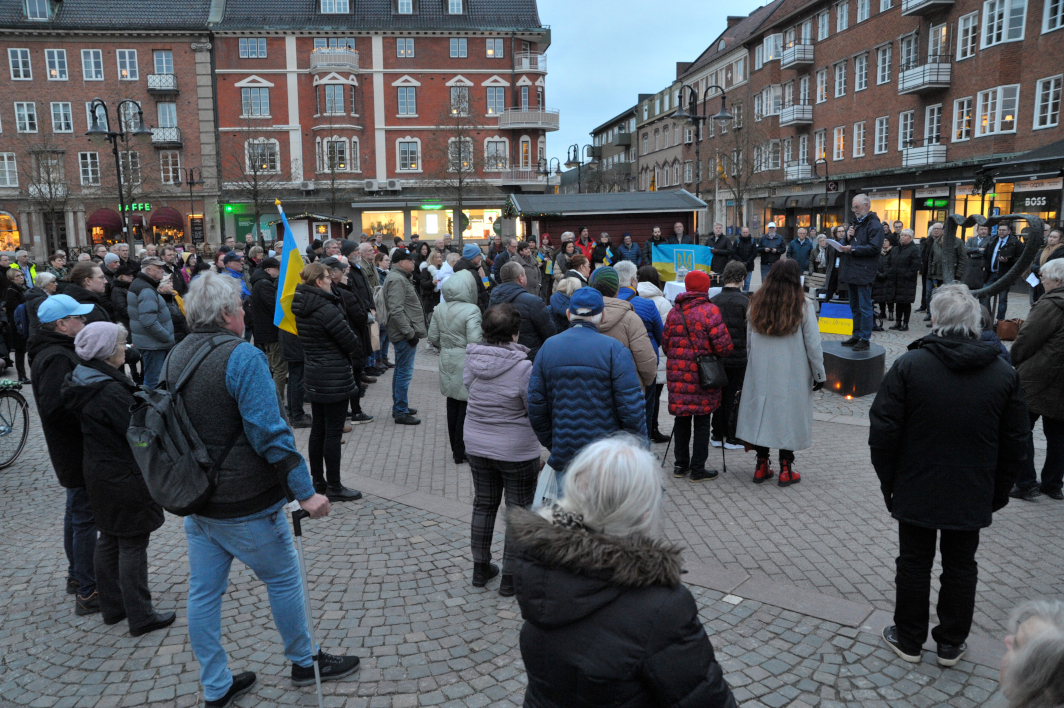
197,358
631,297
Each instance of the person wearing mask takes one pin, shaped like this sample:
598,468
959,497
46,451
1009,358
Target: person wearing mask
1053,250
584,243
1001,252
14,296
580,269
975,254
536,323
263,306
502,448
533,275
329,381
559,302
628,251
860,262
472,260
770,247
745,252
149,319
406,327
801,248
87,285
656,239
503,258
679,237
650,287
101,396
605,608
455,325
733,304
721,247
784,366
602,254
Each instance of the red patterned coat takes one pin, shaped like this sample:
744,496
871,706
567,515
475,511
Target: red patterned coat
708,335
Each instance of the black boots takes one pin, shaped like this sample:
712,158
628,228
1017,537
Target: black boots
483,572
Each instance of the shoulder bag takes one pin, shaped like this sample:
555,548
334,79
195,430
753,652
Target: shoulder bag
711,373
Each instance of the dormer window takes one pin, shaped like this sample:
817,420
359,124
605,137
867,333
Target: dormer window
454,7
721,45
38,10
335,7
405,7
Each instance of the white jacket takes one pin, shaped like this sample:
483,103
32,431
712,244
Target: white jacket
652,293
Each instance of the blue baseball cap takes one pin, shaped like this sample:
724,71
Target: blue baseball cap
586,302
56,307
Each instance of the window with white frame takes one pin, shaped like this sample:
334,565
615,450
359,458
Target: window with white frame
164,61
263,155
169,167
127,65
56,61
909,53
406,7
774,100
860,73
759,162
335,156
737,159
62,118
840,79
884,5
334,98
1053,19
842,16
859,139
883,55
938,43
882,134
541,150
101,116
92,64
496,155
459,154
821,85
803,90
967,36
454,7
89,164
408,101
863,10
26,117
255,102
803,149
759,56
252,47
676,174
459,100
335,7
404,47
839,142
129,116
688,172
524,98
996,110
773,47
788,93
823,21
807,32
1003,21
8,170
758,106
906,121
688,136
494,49
409,155
19,61
820,145
1047,103
962,119
459,48
38,9
129,167
646,143
933,124
665,136
773,155
788,151
166,113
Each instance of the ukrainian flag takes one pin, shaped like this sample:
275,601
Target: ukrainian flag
836,318
669,259
291,266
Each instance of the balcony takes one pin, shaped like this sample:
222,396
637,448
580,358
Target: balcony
162,83
530,61
800,113
930,76
48,190
528,180
797,56
924,7
534,118
333,59
622,140
166,137
933,152
794,170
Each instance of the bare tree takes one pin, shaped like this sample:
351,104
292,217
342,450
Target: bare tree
251,171
745,156
44,174
335,164
612,179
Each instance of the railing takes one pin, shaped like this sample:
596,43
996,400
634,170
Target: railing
334,58
48,190
796,170
162,83
798,54
542,118
935,73
530,61
923,7
165,136
932,152
797,113
515,176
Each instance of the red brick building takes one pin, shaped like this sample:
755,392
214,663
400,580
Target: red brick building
57,188
356,110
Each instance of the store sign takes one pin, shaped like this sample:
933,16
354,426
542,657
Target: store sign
196,227
1036,203
1039,185
936,203
970,191
932,192
832,187
143,206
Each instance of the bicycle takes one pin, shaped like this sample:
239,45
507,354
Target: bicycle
14,422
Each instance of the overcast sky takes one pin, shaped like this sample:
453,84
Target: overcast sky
603,54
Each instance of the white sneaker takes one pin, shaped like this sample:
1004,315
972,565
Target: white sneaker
714,442
733,446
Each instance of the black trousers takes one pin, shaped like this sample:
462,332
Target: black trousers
122,578
657,406
356,403
683,455
736,376
295,390
956,596
456,426
904,310
490,479
787,455
326,431
20,357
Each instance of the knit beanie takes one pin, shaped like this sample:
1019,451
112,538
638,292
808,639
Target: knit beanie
96,340
470,251
697,281
605,280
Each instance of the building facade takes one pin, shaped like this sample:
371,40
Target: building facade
614,148
660,138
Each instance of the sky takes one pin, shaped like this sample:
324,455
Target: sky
603,54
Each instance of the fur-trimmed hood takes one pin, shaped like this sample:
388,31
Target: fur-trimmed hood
563,575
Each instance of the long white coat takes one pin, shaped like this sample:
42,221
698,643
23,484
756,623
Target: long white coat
776,409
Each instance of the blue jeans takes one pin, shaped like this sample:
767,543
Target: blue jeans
262,542
746,283
764,271
1003,298
382,353
404,371
79,540
861,308
152,362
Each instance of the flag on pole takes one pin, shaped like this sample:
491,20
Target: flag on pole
291,266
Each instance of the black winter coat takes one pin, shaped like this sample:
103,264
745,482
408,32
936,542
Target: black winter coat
746,251
120,501
536,321
608,623
102,311
600,254
483,296
904,267
766,244
33,298
13,297
53,358
723,252
177,318
328,345
733,306
357,320
648,250
883,287
119,303
948,433
263,304
291,349
860,265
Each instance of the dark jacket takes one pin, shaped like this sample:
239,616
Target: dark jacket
723,252
800,251
631,253
559,305
53,360
536,322
291,349
483,296
733,305
328,345
263,306
948,433
608,622
102,310
904,267
686,238
746,252
766,244
883,286
177,317
602,254
120,303
1005,257
496,265
359,285
13,297
648,249
33,298
1036,267
975,251
860,265
149,317
101,396
357,320
1038,354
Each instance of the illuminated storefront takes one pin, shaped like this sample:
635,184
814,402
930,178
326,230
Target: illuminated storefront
9,235
431,221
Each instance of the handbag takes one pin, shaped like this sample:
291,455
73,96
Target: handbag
1008,329
711,373
375,336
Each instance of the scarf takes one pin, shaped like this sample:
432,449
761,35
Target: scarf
1047,252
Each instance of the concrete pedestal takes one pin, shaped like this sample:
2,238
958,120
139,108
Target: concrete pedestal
853,373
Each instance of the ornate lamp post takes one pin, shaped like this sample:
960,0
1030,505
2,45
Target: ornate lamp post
100,133
544,168
575,159
723,117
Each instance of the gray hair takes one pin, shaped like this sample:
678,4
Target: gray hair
20,254
568,236
863,198
453,258
511,272
615,486
511,240
43,279
567,286
954,310
593,319
331,242
365,247
626,273
1034,676
1053,270
210,298
908,231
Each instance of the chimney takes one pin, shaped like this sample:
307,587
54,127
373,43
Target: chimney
682,66
734,20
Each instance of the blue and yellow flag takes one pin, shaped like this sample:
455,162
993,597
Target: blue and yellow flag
669,259
836,318
291,266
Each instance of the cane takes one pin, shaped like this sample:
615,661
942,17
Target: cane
666,455
298,516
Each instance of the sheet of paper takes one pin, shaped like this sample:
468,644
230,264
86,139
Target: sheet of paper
1032,280
833,243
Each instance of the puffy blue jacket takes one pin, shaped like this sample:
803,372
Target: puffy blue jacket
630,253
799,250
648,312
584,386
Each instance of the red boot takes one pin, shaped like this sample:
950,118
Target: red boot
787,475
762,471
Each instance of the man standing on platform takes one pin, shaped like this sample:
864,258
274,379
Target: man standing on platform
860,260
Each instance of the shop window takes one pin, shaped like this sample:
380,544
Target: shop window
9,236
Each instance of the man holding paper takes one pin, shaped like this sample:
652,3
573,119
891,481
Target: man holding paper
860,258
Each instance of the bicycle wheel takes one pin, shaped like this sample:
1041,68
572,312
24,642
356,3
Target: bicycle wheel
14,426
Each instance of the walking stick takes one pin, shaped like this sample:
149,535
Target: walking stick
666,455
297,517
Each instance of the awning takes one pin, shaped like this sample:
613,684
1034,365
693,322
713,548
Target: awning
104,219
828,200
799,201
167,217
779,203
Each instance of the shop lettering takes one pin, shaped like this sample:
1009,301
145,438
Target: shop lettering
1034,201
137,207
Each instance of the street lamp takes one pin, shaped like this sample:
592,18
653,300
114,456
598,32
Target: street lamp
827,181
193,178
100,133
575,159
544,168
723,118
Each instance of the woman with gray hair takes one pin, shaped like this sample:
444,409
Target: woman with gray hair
608,620
1032,670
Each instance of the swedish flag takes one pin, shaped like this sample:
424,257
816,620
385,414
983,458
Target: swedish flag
291,266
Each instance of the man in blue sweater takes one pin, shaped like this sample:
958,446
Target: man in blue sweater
232,404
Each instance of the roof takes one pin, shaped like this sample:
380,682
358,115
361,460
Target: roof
1053,151
613,120
111,15
378,15
607,203
733,36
